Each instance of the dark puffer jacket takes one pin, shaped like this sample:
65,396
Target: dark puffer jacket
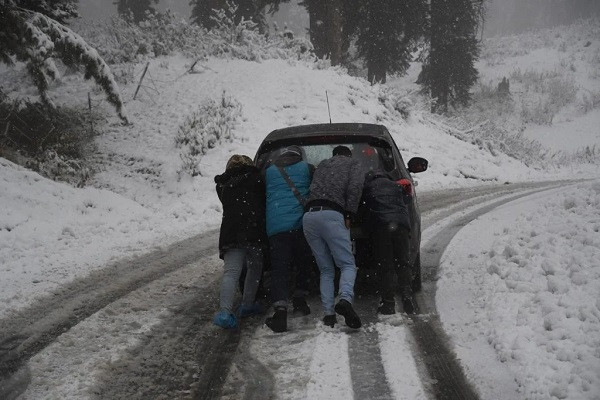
337,183
383,203
242,192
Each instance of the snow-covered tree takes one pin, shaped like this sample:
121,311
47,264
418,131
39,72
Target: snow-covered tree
203,11
449,71
29,34
135,9
386,33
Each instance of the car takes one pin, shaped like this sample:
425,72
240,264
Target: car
374,147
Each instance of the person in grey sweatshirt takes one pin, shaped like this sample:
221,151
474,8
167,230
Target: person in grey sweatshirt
335,194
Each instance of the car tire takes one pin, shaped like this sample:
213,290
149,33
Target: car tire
416,272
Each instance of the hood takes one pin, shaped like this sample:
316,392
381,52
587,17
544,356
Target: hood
234,172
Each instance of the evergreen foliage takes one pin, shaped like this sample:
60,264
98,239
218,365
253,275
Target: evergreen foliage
332,26
137,10
386,34
36,39
449,70
204,11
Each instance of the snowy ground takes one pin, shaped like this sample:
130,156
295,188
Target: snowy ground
521,285
528,281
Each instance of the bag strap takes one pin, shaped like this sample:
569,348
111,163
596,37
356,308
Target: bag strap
292,186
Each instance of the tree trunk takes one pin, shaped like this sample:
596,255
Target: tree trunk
317,28
335,22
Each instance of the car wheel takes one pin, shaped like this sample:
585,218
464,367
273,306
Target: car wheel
416,272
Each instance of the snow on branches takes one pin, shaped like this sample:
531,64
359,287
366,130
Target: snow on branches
36,39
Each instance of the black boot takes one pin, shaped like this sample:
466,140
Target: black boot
300,306
408,300
344,308
278,322
387,307
329,320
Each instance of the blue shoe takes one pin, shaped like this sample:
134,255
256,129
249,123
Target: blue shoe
225,320
252,309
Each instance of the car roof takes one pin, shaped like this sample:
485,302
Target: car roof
343,129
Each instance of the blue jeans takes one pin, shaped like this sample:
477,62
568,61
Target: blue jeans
329,239
235,259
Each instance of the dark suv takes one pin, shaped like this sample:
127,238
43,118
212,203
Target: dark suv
374,147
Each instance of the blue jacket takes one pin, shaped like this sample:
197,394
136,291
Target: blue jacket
284,211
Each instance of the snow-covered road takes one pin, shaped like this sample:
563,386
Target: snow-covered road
142,329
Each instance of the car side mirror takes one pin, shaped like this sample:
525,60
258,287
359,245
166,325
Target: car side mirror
417,164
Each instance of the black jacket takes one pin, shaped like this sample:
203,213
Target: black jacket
383,203
242,193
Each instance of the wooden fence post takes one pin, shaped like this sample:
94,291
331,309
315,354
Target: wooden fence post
141,79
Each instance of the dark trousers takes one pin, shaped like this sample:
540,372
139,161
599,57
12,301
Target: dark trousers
390,249
289,252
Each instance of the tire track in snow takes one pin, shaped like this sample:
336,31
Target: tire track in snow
26,332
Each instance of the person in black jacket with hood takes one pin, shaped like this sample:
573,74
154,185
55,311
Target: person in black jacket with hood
242,240
387,222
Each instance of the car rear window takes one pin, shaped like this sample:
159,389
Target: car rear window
371,157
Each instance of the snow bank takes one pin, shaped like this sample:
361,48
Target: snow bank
530,283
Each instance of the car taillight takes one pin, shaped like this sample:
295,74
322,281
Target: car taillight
406,186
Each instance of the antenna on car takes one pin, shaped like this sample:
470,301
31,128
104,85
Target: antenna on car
328,110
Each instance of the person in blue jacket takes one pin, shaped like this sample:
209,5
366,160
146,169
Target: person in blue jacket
287,182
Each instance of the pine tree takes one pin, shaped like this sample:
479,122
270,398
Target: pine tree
135,9
386,35
202,11
449,71
332,25
248,10
29,33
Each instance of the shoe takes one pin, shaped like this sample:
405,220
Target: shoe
344,308
250,310
278,322
387,307
300,306
409,303
225,320
329,320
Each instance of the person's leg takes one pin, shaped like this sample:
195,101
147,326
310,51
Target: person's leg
383,250
302,256
337,237
401,259
312,225
281,256
254,265
234,260
401,248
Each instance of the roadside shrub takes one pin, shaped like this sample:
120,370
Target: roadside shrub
490,103
120,41
549,92
589,101
211,125
50,140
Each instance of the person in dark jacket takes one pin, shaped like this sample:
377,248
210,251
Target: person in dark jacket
334,197
287,245
387,221
242,239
